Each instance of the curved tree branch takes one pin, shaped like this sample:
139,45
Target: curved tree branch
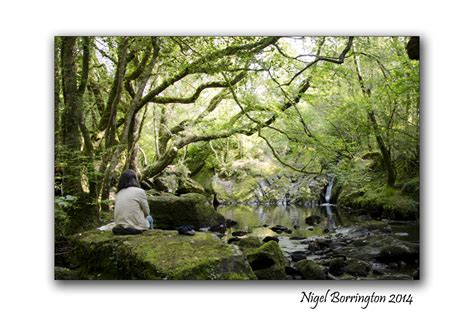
202,65
275,154
338,60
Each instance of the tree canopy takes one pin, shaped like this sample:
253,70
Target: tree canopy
315,105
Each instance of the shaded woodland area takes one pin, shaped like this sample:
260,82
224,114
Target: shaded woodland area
240,121
317,104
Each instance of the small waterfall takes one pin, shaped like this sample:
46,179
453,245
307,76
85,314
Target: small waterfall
331,221
329,190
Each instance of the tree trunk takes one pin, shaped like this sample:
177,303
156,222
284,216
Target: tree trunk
386,156
70,118
83,214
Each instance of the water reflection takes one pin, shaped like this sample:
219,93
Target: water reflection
249,217
327,218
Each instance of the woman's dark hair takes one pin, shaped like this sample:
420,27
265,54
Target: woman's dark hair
128,179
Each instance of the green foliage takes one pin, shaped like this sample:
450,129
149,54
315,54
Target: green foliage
62,204
322,129
382,201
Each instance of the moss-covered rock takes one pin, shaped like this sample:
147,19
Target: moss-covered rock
310,270
238,189
170,211
267,262
158,255
249,243
381,201
407,252
336,265
188,185
357,268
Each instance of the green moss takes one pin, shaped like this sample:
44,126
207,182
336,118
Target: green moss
412,188
204,177
160,255
170,211
373,225
250,242
244,189
236,276
237,189
268,262
310,270
357,268
382,201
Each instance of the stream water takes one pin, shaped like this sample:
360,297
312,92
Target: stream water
355,231
258,219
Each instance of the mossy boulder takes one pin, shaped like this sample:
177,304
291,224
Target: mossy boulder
267,262
336,265
156,255
357,268
170,211
188,185
238,189
407,252
249,243
310,270
381,201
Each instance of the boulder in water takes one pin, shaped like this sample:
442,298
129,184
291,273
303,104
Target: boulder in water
230,223
269,238
233,240
239,233
336,265
319,244
310,270
312,220
250,242
298,255
219,228
297,238
279,229
267,262
397,252
357,268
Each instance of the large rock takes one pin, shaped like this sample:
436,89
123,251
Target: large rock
249,243
384,249
158,254
357,268
267,262
336,265
402,251
310,270
170,211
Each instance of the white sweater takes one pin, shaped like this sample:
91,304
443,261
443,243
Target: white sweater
131,208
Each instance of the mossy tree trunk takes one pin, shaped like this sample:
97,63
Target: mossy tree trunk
83,214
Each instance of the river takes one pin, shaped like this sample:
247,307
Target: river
341,226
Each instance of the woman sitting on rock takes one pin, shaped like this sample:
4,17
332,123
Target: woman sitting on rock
131,214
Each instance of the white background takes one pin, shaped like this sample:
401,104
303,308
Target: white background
26,130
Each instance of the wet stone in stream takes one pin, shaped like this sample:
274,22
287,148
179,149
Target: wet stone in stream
357,248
